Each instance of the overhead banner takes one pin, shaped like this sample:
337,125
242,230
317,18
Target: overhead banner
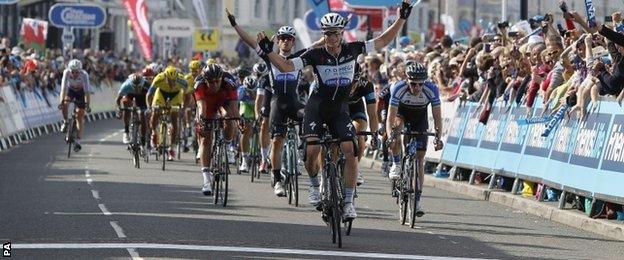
77,15
206,40
174,27
137,11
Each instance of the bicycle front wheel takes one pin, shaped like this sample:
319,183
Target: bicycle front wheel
163,145
70,136
413,202
336,211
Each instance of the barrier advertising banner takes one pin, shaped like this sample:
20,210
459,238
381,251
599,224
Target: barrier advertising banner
587,156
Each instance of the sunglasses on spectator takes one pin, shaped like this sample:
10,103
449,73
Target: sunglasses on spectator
416,83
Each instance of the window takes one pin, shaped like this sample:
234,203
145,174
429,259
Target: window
271,12
286,9
258,8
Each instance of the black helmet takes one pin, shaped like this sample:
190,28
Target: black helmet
212,72
417,72
243,71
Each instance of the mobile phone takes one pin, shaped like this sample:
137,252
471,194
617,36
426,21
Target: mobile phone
608,19
513,34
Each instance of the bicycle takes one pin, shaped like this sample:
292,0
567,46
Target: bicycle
135,147
406,187
331,192
290,169
219,164
70,136
254,151
165,121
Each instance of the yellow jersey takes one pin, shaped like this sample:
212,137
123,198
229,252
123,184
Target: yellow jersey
160,82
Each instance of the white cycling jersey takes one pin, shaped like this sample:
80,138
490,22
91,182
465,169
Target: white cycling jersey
80,82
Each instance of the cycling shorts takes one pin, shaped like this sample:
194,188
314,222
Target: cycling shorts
77,95
175,98
140,100
418,122
334,114
281,110
357,111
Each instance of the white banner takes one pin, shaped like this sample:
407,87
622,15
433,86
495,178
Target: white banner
174,27
448,114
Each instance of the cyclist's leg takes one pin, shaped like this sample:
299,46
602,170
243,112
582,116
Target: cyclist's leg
342,128
126,101
158,100
80,111
141,104
312,130
178,100
265,138
278,131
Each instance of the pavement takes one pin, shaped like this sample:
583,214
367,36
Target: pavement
96,205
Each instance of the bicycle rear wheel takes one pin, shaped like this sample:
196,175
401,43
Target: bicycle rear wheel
295,174
70,136
137,158
403,195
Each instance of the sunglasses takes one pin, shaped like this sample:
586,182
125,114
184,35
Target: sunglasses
331,33
416,84
285,38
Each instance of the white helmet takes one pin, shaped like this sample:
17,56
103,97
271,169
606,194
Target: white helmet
332,20
74,65
286,30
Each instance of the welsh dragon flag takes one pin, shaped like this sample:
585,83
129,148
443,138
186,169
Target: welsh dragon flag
33,33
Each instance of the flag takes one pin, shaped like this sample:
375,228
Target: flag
33,33
137,11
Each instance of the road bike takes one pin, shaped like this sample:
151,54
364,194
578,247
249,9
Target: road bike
219,159
290,169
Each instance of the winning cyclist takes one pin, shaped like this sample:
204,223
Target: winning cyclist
246,98
134,88
214,89
75,87
334,67
408,105
168,85
284,100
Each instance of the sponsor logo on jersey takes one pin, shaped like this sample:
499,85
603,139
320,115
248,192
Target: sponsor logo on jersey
341,75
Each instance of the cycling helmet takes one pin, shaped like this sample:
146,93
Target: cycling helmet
148,72
135,78
171,73
286,30
212,72
249,83
243,71
417,72
74,65
194,65
260,68
331,21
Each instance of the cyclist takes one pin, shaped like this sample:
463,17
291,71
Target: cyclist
334,68
242,72
263,109
246,98
284,99
214,89
194,71
134,88
363,89
168,85
408,105
75,87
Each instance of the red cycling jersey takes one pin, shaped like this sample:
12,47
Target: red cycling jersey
213,100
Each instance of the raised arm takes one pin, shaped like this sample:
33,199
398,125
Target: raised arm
248,39
387,36
265,47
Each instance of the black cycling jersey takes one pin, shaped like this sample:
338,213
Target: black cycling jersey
283,84
366,91
334,74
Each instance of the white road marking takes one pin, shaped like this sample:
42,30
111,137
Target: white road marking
90,181
454,242
441,237
96,194
87,174
117,229
134,254
228,249
104,210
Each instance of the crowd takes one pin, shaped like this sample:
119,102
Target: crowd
29,70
